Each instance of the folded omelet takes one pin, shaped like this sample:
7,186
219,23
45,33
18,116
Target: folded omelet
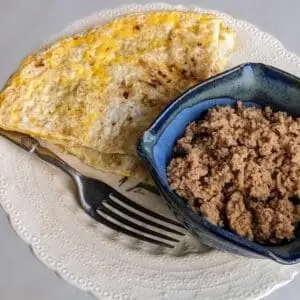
95,92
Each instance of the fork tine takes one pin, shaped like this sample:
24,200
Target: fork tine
146,211
130,213
118,228
135,226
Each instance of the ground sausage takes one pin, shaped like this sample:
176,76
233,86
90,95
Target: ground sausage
240,168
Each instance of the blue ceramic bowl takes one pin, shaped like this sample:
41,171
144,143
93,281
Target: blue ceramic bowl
252,83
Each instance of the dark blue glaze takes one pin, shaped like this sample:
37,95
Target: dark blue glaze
252,83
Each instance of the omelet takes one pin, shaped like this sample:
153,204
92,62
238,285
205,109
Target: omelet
95,92
128,165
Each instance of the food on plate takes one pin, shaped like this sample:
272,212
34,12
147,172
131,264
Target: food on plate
123,164
94,93
240,169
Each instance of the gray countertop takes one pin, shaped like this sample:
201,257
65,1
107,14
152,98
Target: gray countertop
23,25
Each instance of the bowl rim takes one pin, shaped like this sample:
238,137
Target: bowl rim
151,136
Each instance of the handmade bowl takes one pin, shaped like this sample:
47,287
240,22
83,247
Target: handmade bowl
253,83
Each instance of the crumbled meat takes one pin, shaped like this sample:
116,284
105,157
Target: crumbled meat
240,168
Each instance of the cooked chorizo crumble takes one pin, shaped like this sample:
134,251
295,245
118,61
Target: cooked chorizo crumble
240,168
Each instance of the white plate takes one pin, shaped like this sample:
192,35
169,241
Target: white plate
41,204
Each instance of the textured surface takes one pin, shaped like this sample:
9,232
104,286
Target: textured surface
42,170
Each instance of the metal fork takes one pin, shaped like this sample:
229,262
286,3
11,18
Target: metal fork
105,204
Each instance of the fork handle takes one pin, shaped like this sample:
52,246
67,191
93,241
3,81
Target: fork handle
50,157
32,145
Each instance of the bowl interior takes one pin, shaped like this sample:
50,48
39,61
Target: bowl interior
163,149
